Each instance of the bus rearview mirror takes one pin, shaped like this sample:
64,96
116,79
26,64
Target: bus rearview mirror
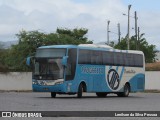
64,60
28,61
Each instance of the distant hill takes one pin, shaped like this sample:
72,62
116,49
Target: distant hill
8,44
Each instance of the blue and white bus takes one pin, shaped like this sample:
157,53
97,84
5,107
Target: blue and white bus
100,69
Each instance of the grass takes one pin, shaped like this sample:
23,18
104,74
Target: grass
153,66
151,91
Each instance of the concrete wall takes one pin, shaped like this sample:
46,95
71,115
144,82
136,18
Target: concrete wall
16,81
23,81
152,80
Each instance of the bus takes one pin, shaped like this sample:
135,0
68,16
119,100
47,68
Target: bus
74,69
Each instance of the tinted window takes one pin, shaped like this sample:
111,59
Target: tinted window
108,58
96,58
128,59
84,57
138,60
118,59
90,57
71,64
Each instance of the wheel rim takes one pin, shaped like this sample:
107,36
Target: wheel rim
126,90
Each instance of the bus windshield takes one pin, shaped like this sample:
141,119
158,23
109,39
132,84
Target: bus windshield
48,68
48,64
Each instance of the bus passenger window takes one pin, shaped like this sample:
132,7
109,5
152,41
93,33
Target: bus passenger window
71,64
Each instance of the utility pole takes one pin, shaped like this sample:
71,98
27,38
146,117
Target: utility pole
129,7
138,39
119,33
136,18
108,32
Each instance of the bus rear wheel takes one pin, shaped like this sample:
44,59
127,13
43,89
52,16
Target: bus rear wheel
126,91
101,94
53,94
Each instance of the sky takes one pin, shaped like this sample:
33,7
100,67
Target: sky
48,15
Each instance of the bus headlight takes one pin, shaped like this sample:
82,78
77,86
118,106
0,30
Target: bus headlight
35,82
60,82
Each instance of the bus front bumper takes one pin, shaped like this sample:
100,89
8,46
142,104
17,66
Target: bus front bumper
51,88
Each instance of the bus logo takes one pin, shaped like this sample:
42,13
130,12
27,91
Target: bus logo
113,79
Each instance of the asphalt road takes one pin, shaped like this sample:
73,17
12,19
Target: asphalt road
28,101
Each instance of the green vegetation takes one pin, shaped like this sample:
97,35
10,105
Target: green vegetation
142,45
14,59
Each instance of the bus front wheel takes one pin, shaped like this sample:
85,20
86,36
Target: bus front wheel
80,91
126,91
53,94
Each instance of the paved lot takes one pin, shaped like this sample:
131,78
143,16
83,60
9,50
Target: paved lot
27,101
21,101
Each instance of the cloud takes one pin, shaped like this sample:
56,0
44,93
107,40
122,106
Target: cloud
47,15
10,22
149,24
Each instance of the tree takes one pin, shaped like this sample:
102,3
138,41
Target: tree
143,45
33,39
77,35
29,41
1,46
3,52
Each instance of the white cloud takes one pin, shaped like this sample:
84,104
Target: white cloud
149,24
47,15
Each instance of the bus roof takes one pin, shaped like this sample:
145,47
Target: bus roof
92,47
59,46
95,46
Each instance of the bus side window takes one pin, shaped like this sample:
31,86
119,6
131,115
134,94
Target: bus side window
139,61
129,59
96,58
71,64
84,57
118,59
108,58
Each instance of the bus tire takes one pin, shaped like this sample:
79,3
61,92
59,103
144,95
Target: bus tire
101,94
126,91
80,91
53,94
